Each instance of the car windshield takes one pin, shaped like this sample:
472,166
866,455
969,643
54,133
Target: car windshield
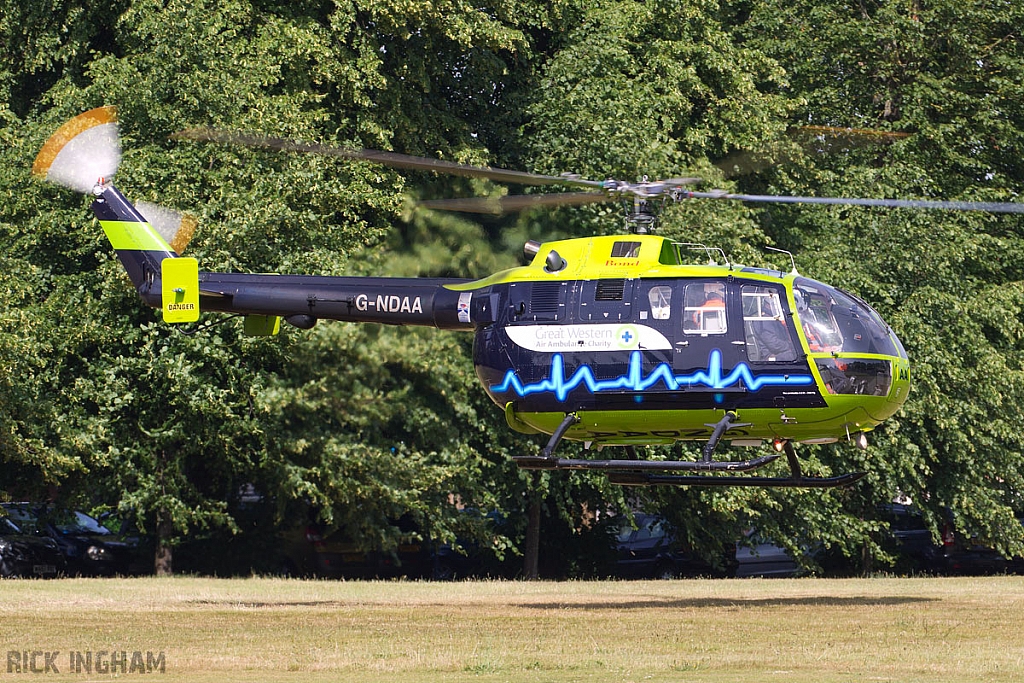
23,520
646,528
70,522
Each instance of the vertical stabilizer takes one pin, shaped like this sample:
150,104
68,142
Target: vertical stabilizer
139,246
83,155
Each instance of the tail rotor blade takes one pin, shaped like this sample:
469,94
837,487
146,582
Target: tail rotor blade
83,152
174,226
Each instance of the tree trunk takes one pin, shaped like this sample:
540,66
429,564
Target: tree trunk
162,562
531,551
866,560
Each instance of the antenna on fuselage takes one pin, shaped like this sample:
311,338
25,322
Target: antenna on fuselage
789,253
710,251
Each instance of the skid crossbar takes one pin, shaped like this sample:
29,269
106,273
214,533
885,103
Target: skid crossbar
634,472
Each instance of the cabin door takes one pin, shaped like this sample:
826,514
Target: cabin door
709,342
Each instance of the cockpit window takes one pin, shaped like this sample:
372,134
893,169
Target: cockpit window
813,306
835,322
704,308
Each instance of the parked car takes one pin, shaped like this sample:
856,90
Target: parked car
338,557
910,541
916,550
757,556
88,547
907,538
27,555
313,550
649,551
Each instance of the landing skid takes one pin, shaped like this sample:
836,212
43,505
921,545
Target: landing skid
542,463
642,479
635,472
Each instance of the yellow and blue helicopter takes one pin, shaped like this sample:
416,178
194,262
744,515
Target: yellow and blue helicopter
612,340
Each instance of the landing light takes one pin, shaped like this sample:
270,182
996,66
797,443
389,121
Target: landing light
779,445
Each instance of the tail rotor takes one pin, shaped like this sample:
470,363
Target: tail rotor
83,153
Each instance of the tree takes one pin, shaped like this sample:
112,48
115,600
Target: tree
947,282
98,399
180,423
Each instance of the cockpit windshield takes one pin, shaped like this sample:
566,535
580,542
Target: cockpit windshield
836,322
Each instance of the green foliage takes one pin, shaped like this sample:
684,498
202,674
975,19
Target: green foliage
949,283
110,409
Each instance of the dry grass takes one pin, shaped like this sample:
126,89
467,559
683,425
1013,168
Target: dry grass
213,630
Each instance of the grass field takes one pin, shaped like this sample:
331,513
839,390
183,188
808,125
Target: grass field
213,630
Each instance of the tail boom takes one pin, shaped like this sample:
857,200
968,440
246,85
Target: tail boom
391,301
303,298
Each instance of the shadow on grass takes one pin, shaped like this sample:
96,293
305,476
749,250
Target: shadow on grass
710,603
652,603
270,604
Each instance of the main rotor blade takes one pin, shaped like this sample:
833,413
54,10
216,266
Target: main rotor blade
513,203
867,135
991,207
386,158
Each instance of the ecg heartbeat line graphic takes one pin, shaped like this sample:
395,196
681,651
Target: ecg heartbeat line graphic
635,380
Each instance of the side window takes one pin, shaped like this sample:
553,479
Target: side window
704,308
660,298
768,337
813,307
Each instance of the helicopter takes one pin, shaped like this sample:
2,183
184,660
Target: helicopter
615,341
